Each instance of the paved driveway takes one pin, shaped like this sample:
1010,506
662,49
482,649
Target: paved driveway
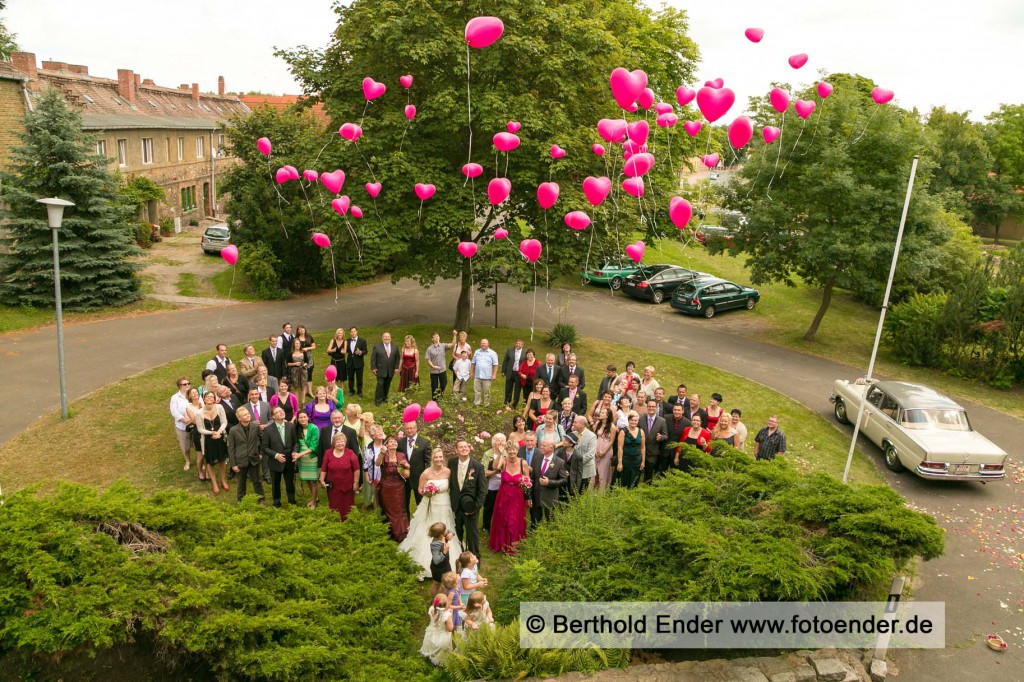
981,577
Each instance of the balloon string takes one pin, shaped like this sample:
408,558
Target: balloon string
794,149
547,260
782,129
700,185
312,219
472,293
469,108
273,183
355,240
333,138
404,132
533,318
335,273
363,116
360,150
280,214
419,217
815,133
231,288
506,164
857,139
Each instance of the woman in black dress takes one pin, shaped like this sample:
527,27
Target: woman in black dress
212,424
336,350
308,346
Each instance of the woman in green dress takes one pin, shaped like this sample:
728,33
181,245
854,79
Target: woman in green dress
633,452
308,436
335,394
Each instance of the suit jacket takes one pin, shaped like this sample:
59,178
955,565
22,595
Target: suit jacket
264,410
564,380
556,377
275,366
239,390
583,459
675,431
654,445
527,457
606,385
244,445
579,404
547,496
673,400
469,498
380,362
272,444
230,406
509,365
701,411
419,458
355,360
324,442
247,370
220,369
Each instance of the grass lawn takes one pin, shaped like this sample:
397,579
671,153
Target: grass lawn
188,285
238,291
20,318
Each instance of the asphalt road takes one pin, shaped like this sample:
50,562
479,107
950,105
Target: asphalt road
980,578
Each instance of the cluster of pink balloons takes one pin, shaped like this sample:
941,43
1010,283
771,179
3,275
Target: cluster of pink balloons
431,412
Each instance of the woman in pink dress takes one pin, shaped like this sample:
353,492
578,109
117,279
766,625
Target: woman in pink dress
409,372
339,474
508,525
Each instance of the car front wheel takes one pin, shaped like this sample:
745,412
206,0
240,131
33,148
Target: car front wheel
709,312
616,283
841,412
659,295
892,460
751,303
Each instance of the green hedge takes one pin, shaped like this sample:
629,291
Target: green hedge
250,593
733,530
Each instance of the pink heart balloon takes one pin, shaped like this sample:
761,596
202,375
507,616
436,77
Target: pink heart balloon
531,249
710,160
804,107
373,189
432,412
293,172
680,211
341,204
631,147
714,103
506,142
356,212
406,81
498,190
634,187
824,89
638,165
282,176
310,175
637,131
472,170
798,60
321,240
598,149
693,128
230,254
740,132
646,99
331,373
663,108
754,35
627,86
779,99
410,111
547,194
612,130
577,220
501,233
636,251
596,189
685,95
350,131
423,191
411,413
715,84
626,153
467,249
513,126
333,181
483,31
667,120
770,134
557,152
372,89
881,95
263,144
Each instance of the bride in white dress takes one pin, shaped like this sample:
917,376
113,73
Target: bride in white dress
428,512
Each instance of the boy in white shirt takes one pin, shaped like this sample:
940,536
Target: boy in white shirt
463,369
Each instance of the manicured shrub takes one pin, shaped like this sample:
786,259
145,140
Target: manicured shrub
260,266
912,329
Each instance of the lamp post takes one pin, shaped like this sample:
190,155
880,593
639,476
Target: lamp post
55,216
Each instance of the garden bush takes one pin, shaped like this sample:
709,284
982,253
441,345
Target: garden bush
260,266
734,529
912,329
254,593
561,334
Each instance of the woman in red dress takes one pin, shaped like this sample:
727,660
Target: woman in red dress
508,523
394,470
409,372
527,370
339,474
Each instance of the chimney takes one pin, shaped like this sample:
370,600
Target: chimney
26,63
148,81
220,85
195,92
138,81
55,66
78,69
126,84
183,86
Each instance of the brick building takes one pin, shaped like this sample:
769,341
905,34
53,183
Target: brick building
173,136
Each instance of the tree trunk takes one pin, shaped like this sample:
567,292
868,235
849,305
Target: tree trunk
826,300
995,240
462,307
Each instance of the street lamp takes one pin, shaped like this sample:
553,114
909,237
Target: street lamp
55,216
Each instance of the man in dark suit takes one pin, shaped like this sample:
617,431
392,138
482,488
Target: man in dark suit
467,487
273,358
676,424
548,474
510,370
693,407
279,447
218,364
244,443
656,433
355,360
284,341
230,403
608,383
664,409
550,373
574,393
384,363
327,434
572,370
416,449
679,398
259,410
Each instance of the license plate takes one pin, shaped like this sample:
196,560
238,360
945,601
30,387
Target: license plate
963,469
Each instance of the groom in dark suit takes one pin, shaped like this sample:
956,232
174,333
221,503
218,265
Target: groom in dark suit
279,449
468,489
548,474
416,449
355,360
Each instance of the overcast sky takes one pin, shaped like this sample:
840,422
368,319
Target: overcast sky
966,56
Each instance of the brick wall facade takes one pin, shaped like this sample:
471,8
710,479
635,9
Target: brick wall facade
12,116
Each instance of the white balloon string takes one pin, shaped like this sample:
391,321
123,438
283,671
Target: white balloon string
419,217
312,220
700,185
355,239
788,159
361,118
857,139
404,132
472,293
360,150
506,164
280,214
334,271
547,260
815,133
782,129
333,138
533,318
469,109
231,288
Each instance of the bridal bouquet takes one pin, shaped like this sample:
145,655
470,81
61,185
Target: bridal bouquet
430,489
526,484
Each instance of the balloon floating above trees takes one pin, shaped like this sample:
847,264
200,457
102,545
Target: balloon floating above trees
646,99
596,189
350,131
410,111
547,194
341,204
282,176
406,81
710,160
598,149
754,35
627,86
798,60
779,99
263,144
693,128
667,120
483,31
714,103
804,107
634,187
356,212
513,126
531,249
824,89
680,211
638,165
771,133
740,132
310,175
881,95
557,152
685,95
715,84
612,129
501,233
333,181
663,108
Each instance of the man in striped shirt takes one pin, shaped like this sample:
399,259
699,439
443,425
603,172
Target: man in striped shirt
770,441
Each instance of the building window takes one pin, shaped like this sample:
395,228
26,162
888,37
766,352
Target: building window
200,147
122,152
181,148
147,150
188,199
101,148
168,158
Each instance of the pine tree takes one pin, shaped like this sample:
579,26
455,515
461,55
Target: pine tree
56,159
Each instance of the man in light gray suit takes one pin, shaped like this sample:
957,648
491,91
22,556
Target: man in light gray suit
583,466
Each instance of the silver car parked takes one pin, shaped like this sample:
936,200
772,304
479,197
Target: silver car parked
216,237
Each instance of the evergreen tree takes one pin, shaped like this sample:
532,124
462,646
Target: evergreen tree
56,159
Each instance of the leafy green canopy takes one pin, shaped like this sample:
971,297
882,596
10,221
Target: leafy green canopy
56,159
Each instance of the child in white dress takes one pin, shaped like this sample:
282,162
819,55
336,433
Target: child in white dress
438,637
478,612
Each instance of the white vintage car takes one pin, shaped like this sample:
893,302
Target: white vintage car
919,429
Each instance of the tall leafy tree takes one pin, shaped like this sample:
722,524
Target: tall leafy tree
8,40
1000,196
56,158
549,71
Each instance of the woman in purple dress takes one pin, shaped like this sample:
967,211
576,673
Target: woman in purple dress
508,525
319,411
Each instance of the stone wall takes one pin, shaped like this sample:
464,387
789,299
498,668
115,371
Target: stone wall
12,116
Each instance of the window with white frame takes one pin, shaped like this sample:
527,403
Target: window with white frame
181,148
147,150
122,152
200,147
101,148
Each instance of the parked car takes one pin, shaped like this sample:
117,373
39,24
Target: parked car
704,233
611,273
657,282
710,295
919,429
216,237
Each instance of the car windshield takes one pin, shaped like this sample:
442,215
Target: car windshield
936,418
217,232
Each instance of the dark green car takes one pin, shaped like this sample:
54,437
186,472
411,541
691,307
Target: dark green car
710,295
611,273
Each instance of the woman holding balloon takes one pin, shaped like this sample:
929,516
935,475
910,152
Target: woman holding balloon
336,350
